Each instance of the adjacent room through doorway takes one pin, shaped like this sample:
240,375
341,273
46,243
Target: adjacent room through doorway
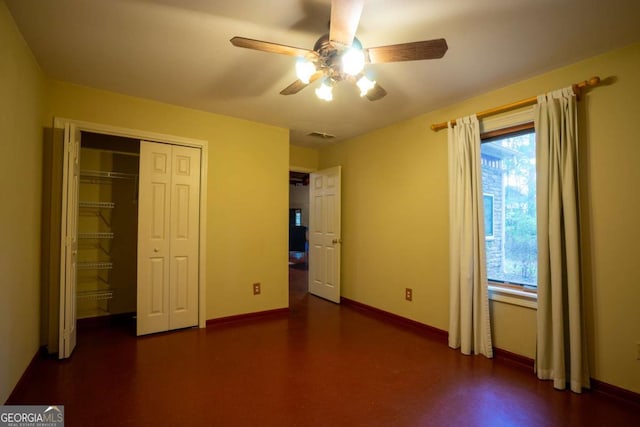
298,235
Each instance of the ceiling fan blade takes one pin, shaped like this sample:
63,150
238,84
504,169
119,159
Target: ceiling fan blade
298,85
345,16
377,92
427,49
271,47
293,88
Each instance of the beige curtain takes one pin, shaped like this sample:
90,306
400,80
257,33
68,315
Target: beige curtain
561,344
469,327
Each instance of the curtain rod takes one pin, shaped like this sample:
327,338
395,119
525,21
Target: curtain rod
577,87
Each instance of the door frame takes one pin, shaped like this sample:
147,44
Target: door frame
322,290
60,122
309,171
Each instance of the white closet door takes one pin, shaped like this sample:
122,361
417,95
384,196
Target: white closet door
69,249
168,237
184,229
154,242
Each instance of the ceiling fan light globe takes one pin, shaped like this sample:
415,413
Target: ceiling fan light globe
304,70
365,85
324,92
352,61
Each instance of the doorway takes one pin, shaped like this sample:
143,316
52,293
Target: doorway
321,199
298,236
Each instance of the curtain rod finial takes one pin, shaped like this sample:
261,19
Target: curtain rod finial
593,81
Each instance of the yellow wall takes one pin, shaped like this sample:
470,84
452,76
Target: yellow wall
513,328
21,89
395,215
303,159
247,189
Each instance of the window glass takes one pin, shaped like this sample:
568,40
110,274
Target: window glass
295,217
488,215
509,176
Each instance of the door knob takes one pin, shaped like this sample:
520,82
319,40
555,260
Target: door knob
156,250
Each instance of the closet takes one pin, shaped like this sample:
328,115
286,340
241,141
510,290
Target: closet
107,226
130,236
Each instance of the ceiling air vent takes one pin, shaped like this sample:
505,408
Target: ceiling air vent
321,135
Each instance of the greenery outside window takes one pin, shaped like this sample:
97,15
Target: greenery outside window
487,200
509,187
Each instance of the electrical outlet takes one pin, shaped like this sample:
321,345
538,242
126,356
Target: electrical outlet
256,288
408,294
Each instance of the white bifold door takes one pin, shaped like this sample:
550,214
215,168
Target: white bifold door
324,233
168,232
69,247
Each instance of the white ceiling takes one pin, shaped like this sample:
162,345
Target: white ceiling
178,51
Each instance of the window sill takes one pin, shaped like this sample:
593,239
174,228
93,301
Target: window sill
513,296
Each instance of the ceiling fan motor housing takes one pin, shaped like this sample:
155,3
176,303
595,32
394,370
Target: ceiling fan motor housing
329,57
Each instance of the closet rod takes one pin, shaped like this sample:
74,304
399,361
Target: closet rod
577,87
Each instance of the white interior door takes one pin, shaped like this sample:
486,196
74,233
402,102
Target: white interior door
324,233
154,206
184,232
168,237
69,246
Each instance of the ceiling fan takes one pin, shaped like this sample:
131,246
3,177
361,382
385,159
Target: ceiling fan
339,55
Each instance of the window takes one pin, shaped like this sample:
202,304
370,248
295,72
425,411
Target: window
295,217
509,187
487,200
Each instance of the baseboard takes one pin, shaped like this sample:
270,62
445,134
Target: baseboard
628,396
517,359
436,333
597,386
26,377
442,335
248,316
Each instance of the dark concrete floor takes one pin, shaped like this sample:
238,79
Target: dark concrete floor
320,365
